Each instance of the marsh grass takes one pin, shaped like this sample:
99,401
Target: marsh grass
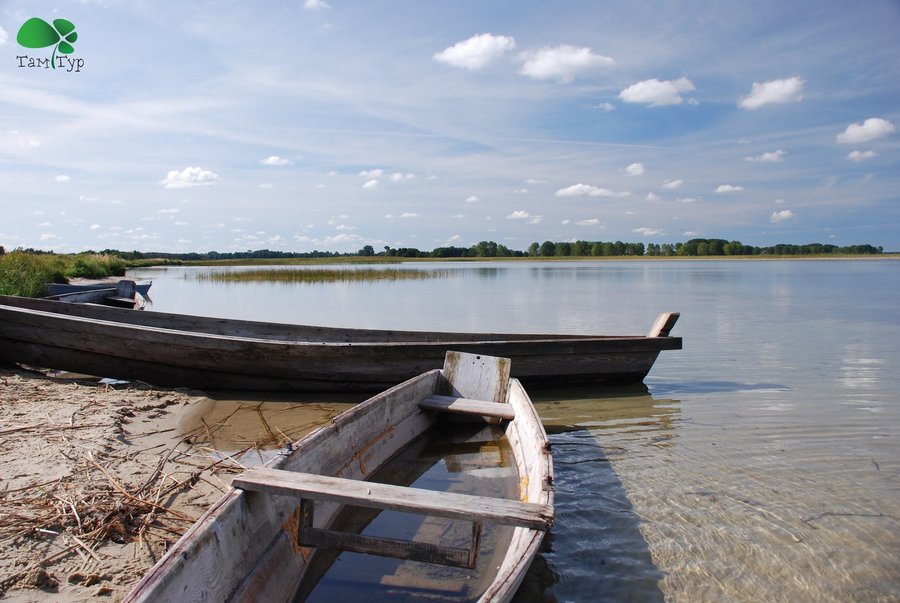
27,274
319,275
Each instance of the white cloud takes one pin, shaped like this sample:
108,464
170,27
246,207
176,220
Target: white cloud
562,63
345,227
190,177
407,214
672,184
859,156
780,201
603,107
518,215
472,199
3,36
266,185
398,177
647,232
657,93
789,90
588,222
476,52
687,199
48,236
581,190
871,129
781,216
769,157
276,160
315,4
371,185
61,178
535,181
172,210
635,169
728,188
454,239
94,227
653,197
376,173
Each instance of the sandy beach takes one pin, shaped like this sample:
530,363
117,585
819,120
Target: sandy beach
97,480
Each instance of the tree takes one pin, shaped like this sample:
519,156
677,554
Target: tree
563,249
548,249
534,249
367,250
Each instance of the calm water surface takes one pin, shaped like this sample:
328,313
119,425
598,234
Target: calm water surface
762,462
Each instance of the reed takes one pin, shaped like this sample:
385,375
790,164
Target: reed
27,274
319,275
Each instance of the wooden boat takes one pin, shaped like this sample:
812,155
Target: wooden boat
268,538
125,294
54,289
214,353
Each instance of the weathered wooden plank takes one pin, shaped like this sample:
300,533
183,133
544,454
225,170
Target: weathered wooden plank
476,376
389,547
397,498
500,410
663,324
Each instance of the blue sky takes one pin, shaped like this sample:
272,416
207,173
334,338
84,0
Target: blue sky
329,125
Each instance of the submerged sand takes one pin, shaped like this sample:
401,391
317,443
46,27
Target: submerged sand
98,480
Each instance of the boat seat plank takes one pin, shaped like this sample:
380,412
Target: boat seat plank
397,498
500,410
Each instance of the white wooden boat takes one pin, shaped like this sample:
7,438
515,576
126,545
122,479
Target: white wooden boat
266,538
213,353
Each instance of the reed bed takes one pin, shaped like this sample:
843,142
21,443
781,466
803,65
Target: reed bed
319,275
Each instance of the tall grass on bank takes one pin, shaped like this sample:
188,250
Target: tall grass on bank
27,274
318,275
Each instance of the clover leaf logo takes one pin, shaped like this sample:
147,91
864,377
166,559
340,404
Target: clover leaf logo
37,33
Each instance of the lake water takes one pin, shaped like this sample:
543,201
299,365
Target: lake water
759,463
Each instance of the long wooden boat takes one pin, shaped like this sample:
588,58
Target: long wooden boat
272,535
214,353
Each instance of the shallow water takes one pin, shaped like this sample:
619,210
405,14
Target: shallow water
759,463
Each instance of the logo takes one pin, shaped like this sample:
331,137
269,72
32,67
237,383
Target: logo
37,33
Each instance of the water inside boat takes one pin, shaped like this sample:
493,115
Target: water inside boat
471,459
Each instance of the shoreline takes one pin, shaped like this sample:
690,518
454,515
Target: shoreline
97,483
98,478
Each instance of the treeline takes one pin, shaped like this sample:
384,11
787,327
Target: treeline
490,249
692,248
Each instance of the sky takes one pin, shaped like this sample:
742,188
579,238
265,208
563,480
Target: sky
332,124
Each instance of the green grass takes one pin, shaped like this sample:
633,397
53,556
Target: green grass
318,275
28,274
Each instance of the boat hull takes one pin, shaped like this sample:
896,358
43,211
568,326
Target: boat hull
209,353
248,546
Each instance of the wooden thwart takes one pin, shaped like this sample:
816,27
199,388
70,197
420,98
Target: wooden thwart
477,509
499,410
397,498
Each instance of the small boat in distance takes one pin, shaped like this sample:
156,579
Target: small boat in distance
180,350
55,289
124,294
281,527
